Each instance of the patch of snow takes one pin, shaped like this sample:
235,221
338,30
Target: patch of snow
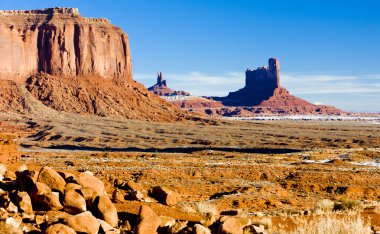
373,120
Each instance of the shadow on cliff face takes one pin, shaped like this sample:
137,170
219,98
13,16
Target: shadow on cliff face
175,149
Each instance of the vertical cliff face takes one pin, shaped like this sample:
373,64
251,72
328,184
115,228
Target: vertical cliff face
260,85
60,42
58,59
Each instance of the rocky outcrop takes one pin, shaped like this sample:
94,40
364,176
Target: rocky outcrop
161,88
262,95
58,41
260,85
71,64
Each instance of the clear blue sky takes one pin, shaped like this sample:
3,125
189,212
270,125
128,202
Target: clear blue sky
329,49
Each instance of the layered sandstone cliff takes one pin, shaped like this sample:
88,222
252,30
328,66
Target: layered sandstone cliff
58,41
261,95
56,59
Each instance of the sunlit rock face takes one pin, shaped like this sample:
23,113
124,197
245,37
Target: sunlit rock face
59,41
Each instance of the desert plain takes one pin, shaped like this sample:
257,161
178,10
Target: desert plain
277,170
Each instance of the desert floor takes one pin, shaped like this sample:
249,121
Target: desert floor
277,168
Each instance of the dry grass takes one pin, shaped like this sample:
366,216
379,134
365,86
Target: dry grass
350,223
207,208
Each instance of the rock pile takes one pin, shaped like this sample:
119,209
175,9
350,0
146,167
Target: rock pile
53,202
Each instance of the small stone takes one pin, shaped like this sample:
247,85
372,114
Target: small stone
208,219
52,179
24,202
166,196
72,186
4,199
74,203
59,229
177,227
67,176
134,196
252,229
199,229
230,226
30,228
166,221
26,180
14,221
104,226
106,210
244,221
55,216
126,226
147,221
39,219
89,181
12,208
44,198
131,185
3,214
10,175
84,223
231,212
117,196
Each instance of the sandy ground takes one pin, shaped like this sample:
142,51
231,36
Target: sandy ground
278,168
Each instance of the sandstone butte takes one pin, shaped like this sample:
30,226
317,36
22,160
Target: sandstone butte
73,64
161,88
262,94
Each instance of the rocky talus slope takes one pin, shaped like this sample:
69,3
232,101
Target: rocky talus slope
73,64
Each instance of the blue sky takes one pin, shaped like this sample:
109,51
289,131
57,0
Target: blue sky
329,49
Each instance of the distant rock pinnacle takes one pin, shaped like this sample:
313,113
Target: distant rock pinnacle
161,88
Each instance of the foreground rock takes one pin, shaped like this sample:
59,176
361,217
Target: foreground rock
82,206
199,229
106,210
230,226
84,223
44,198
166,196
52,179
59,229
147,221
87,180
24,202
74,203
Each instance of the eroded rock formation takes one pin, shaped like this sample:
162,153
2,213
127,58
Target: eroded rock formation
260,85
262,94
161,88
72,64
58,41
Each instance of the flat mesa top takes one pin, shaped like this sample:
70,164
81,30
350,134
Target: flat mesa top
45,11
71,12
